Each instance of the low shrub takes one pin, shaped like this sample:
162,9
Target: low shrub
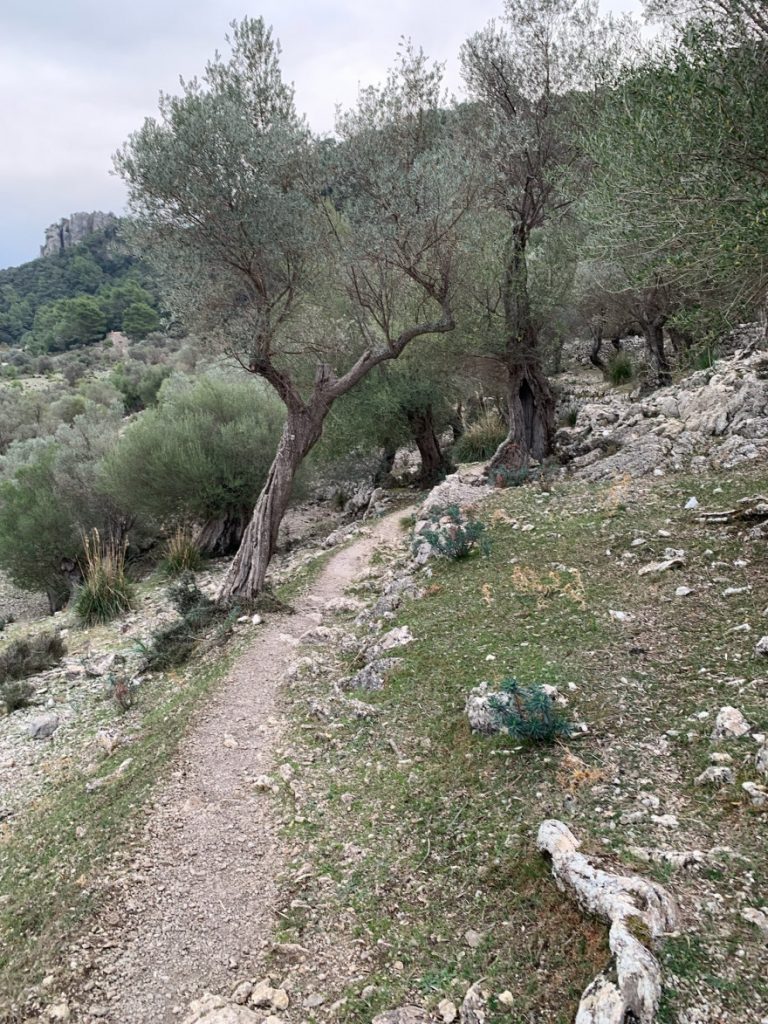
620,369
453,534
175,643
503,476
16,694
181,553
481,438
106,592
529,713
30,655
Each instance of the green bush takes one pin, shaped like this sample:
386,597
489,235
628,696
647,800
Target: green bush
454,535
620,369
106,592
529,713
202,455
481,438
29,655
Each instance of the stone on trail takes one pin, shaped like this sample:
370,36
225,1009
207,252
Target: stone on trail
447,1010
730,724
212,1009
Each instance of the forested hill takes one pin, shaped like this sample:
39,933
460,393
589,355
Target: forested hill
77,295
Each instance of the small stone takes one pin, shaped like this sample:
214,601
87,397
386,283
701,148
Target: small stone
729,724
683,592
506,998
691,503
761,761
761,647
720,757
280,999
261,994
716,775
313,1001
472,938
636,543
58,1011
665,820
405,1015
756,917
229,741
256,620
242,992
756,793
285,771
42,728
620,616
447,1010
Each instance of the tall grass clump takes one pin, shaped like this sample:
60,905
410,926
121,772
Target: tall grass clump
181,553
106,591
621,369
481,438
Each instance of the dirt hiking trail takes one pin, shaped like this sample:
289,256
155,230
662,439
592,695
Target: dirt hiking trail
196,911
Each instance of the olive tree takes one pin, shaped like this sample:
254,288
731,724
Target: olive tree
523,77
233,199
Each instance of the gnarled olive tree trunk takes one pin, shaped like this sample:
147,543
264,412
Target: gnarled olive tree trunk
246,576
530,403
434,464
653,332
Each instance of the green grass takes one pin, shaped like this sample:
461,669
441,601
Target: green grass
444,822
53,863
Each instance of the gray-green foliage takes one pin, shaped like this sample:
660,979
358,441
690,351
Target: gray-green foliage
527,712
31,654
203,453
51,490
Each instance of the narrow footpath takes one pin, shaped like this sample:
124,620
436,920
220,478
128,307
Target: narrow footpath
197,910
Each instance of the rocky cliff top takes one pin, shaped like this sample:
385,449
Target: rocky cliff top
73,229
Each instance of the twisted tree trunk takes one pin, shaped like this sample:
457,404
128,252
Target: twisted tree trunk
434,464
246,576
653,332
530,403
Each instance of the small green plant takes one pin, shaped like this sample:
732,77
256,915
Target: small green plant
30,655
181,553
481,438
453,534
503,476
570,416
529,713
174,644
106,592
16,694
620,369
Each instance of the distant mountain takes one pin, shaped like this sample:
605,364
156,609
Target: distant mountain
79,289
73,229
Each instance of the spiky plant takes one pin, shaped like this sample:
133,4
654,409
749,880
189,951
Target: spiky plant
106,591
527,712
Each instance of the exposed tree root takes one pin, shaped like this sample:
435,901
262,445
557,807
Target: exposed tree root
639,913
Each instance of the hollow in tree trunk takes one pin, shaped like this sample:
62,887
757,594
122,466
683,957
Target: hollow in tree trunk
530,403
434,464
219,537
246,576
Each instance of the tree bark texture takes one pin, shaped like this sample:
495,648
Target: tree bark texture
434,464
530,403
653,332
246,576
220,537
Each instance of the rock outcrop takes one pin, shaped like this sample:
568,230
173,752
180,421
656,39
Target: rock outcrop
73,229
714,419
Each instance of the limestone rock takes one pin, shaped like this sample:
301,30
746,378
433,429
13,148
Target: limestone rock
761,647
761,760
404,1015
43,726
373,676
447,1010
73,229
716,775
729,724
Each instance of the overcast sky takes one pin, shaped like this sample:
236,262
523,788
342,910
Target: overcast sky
77,76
